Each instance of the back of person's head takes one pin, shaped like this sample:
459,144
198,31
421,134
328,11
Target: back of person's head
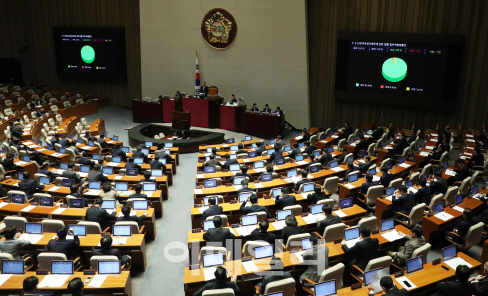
211,156
384,169
269,168
131,159
369,177
98,201
156,157
73,143
350,165
244,182
417,230
220,274
254,198
26,175
317,189
126,210
365,230
106,242
314,238
107,186
258,143
139,148
327,209
138,187
438,174
86,154
284,190
403,189
290,220
74,188
244,169
304,174
386,282
64,136
468,213
117,146
10,155
211,201
217,220
240,146
264,225
75,286
30,285
100,161
10,232
97,167
62,232
307,143
276,147
460,161
422,181
227,156
147,174
214,150
295,145
276,263
462,273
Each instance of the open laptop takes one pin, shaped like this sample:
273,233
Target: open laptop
208,225
299,157
121,230
121,186
281,215
61,267
139,205
210,183
13,267
131,172
231,141
401,160
238,180
209,149
316,209
291,173
145,151
149,187
333,164
125,149
408,183
459,199
235,167
85,168
252,154
275,294
108,170
63,166
314,169
108,204
346,203
148,144
387,225
414,265
325,288
94,185
18,198
79,229
243,196
276,191
156,173
351,236
109,267
231,156
115,138
117,159
209,170
280,161
308,187
372,171
210,260
76,203
390,191
475,191
286,148
33,228
439,207
94,156
449,253
247,220
368,274
91,143
266,177
353,177
259,165
46,201
306,244
263,252
234,148
389,165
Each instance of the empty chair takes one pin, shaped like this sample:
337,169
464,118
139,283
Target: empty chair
59,118
434,200
472,237
44,259
313,140
219,292
18,222
212,250
225,220
295,209
331,185
51,225
91,227
371,195
8,103
341,145
249,246
36,196
54,108
422,251
381,262
450,197
94,260
426,169
415,178
26,119
7,256
296,240
368,221
371,150
53,100
464,188
33,115
396,183
287,286
332,273
51,122
383,163
328,201
333,232
261,215
17,192
84,121
8,112
66,104
474,178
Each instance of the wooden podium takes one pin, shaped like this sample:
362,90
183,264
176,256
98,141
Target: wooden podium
181,120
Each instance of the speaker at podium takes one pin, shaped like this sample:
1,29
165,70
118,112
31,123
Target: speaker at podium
181,120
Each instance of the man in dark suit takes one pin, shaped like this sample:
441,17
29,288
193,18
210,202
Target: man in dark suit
369,183
77,192
386,178
303,180
401,144
377,133
346,131
101,141
139,154
118,152
413,136
254,107
138,194
477,159
260,148
306,135
278,274
64,142
266,109
127,216
84,160
317,195
461,287
423,193
29,285
97,214
405,202
363,167
97,175
130,164
107,250
147,177
229,161
212,210
262,233
233,99
221,283
29,186
438,184
328,220
363,144
243,173
89,136
290,229
388,287
309,149
76,287
296,150
350,169
204,89
156,164
284,199
463,226
313,161
276,154
481,287
212,161
278,111
326,157
63,245
17,131
254,206
279,141
55,139
70,174
40,113
463,172
269,170
45,170
245,187
218,234
364,251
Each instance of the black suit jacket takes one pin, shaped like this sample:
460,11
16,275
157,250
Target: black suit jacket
204,89
253,209
423,195
229,162
463,226
86,161
96,176
386,179
65,246
29,186
65,143
288,231
48,173
267,110
315,197
362,145
439,186
118,152
157,165
275,155
131,165
396,292
294,152
96,214
218,235
110,252
310,149
405,203
365,186
272,278
285,201
131,218
260,150
329,220
300,182
364,251
463,173
306,136
268,237
377,134
240,174
450,288
212,211
71,175
481,287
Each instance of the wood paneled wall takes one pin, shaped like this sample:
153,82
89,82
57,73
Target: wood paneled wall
32,20
468,17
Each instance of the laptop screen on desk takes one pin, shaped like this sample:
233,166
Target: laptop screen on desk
280,161
139,205
85,168
387,224
168,145
449,252
353,178
287,148
94,156
459,199
299,157
231,156
138,160
372,171
291,173
389,165
390,191
79,229
148,144
213,259
475,189
270,151
401,160
249,220
115,138
18,198
438,207
266,177
258,165
368,274
46,201
301,144
308,187
408,183
121,186
314,169
414,264
34,228
108,170
252,154
91,143
208,225
276,191
108,204
306,244
131,172
116,159
13,267
316,209
210,183
234,148
122,230
350,159
235,167
346,203
263,252
63,166
351,233
230,141
76,203
109,267
149,186
243,196
281,215
94,185
271,142
333,164
145,150
156,173
44,180
325,288
61,267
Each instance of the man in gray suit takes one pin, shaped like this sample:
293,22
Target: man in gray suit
319,257
414,241
12,244
212,161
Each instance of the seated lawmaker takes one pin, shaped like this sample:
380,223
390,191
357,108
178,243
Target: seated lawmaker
284,199
70,174
220,283
116,151
278,111
369,182
405,201
12,244
266,109
463,226
107,250
241,149
228,161
261,148
99,215
276,154
463,172
212,161
278,274
245,187
438,184
461,287
218,234
325,157
40,113
63,245
296,150
84,159
388,287
131,165
254,107
317,195
262,233
290,229
386,178
29,186
308,148
212,210
254,206
323,223
242,173
319,255
109,193
414,241
481,287
423,193
269,170
233,99
97,175
156,164
128,217
303,180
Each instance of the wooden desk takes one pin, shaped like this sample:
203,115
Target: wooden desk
417,158
97,127
246,144
113,284
144,167
79,110
262,125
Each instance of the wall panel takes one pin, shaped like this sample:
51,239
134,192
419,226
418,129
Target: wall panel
327,18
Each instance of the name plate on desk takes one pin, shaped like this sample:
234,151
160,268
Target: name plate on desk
399,273
194,266
225,170
197,206
436,261
42,272
295,250
338,241
356,286
267,196
7,200
89,272
304,214
34,203
233,201
375,231
196,230
271,220
247,258
198,187
257,181
234,225
228,184
105,233
63,206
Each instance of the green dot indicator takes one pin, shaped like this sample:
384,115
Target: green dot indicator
87,54
394,69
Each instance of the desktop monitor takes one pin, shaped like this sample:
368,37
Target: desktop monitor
263,252
346,203
149,186
238,180
316,209
368,274
33,228
299,157
67,182
115,138
252,154
122,230
459,198
266,177
209,170
235,167
148,144
306,244
230,141
131,172
85,168
44,180
372,171
414,264
18,198
63,166
280,161
387,224
94,185
390,191
46,201
308,187
168,145
94,156
291,173
247,220
275,192
325,288
408,183
125,149
353,177
139,160
286,148
281,215
117,159
333,164
13,266
234,148
108,170
243,196
109,267
449,252
26,158
438,207
210,183
76,203
210,260
108,204
79,229
259,165
205,201
61,267
314,169
139,205
351,233
156,173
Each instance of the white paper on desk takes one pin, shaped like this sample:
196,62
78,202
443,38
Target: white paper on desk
54,280
33,238
392,236
118,177
57,171
20,162
97,281
209,273
450,172
119,241
258,185
468,154
32,146
434,135
413,190
237,187
41,149
323,141
353,144
54,188
289,180
110,142
300,255
340,213
225,145
198,191
2,204
337,169
458,209
59,210
375,279
83,175
85,147
335,136
423,153
405,165
429,147
388,147
350,186
455,262
361,161
401,281
4,278
245,160
352,242
246,230
112,164
199,175
93,192
132,213
376,178
470,140
275,168
56,154
301,162
202,209
390,198
302,149
27,209
299,138
261,170
306,194
443,216
279,225
469,136
250,266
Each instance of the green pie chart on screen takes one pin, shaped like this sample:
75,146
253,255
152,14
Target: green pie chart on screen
87,54
394,69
